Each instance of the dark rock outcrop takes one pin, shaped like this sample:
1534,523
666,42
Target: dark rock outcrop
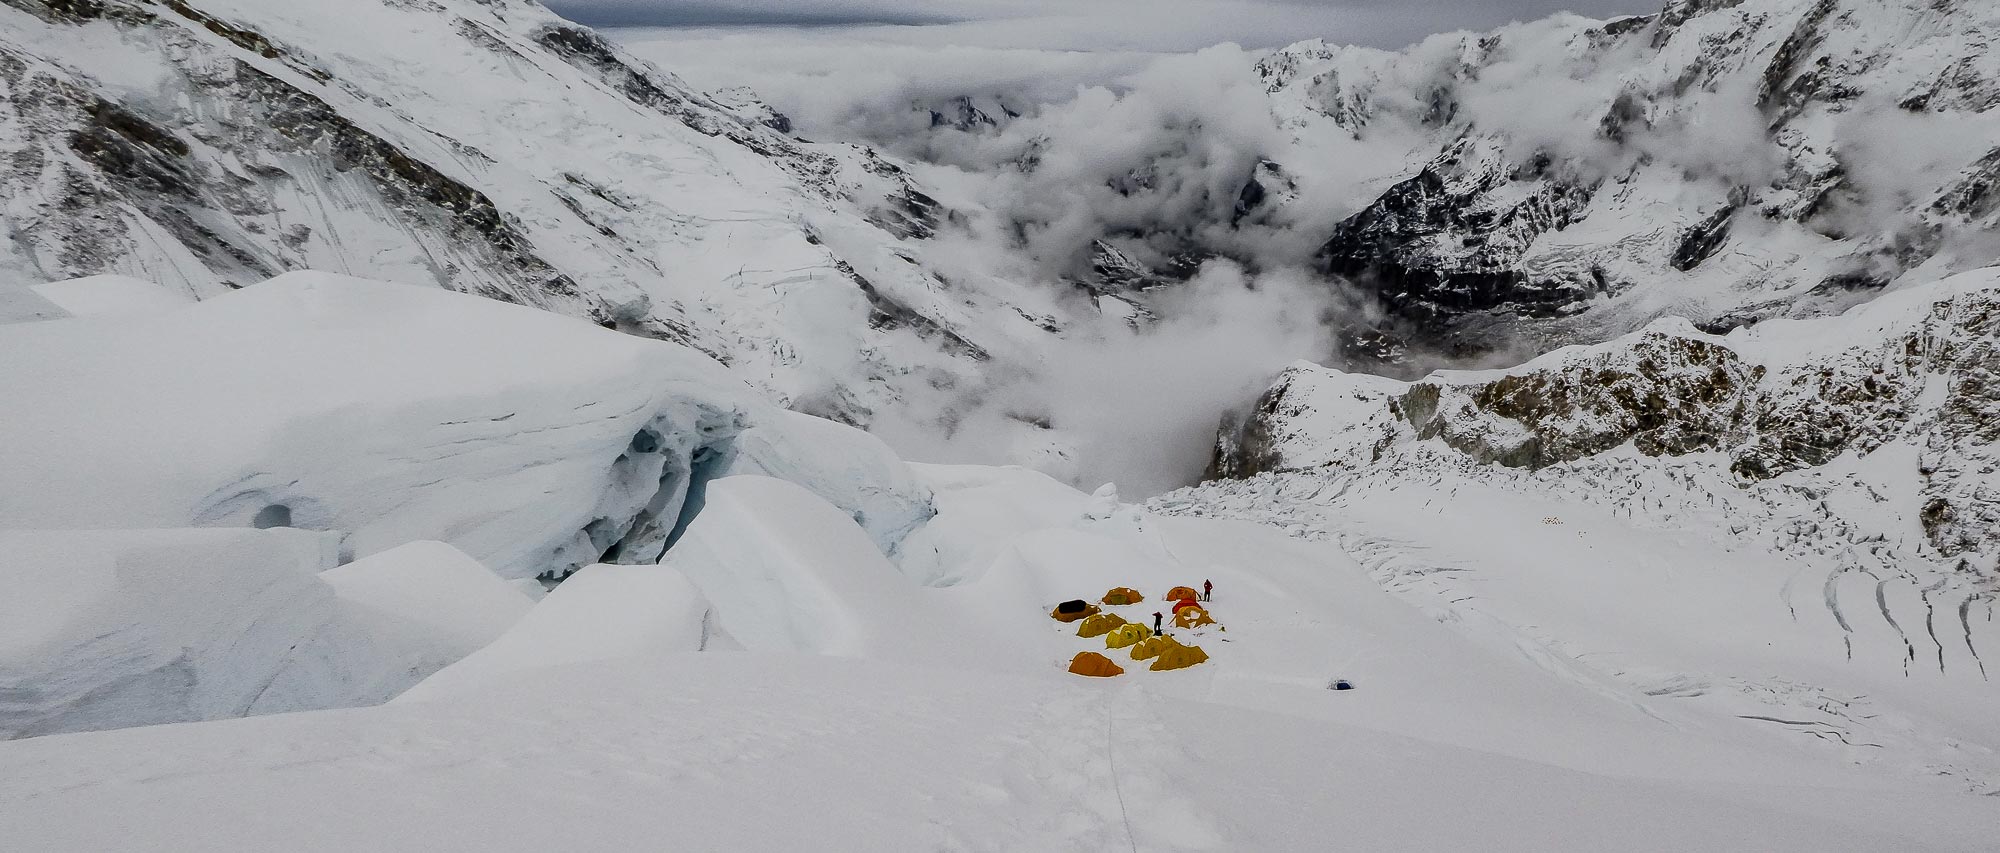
1440,245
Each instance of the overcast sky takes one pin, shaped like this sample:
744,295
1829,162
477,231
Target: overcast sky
1169,25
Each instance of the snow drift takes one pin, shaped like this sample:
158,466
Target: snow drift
106,629
600,613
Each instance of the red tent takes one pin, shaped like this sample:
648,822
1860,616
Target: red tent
1184,604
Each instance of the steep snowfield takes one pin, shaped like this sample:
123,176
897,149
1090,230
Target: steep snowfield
1790,526
486,146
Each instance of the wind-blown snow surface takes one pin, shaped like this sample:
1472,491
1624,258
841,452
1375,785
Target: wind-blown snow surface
1448,742
839,651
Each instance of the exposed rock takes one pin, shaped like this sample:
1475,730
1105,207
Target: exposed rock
1700,242
1919,369
1438,245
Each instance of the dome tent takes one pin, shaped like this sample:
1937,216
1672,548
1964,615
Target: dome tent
1094,665
1123,595
1183,592
1184,604
1151,647
1071,611
1128,634
1099,625
1179,657
1192,617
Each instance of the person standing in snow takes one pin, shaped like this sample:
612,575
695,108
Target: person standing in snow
1156,621
1207,591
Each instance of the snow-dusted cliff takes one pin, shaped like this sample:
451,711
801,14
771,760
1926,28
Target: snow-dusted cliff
486,147
1719,161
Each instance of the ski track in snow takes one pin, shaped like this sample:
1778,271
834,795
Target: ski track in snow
1656,496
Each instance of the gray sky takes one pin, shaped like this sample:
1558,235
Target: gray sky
1085,24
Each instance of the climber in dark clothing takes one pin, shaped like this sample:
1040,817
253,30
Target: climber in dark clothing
1156,622
1207,591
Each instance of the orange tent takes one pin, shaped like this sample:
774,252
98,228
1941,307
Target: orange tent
1123,595
1072,611
1180,592
1192,617
1179,657
1184,604
1099,625
1094,665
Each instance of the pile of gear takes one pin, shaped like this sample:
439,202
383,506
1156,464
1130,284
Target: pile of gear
1143,643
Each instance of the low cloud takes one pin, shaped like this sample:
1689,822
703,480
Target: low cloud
1124,122
1136,405
1124,25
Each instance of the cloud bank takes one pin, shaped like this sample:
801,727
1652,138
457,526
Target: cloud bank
1124,25
1053,125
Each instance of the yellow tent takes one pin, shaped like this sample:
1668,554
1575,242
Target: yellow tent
1072,611
1123,595
1192,617
1099,625
1151,647
1094,665
1126,634
1180,593
1179,657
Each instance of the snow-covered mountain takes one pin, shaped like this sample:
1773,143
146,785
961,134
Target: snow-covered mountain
1561,181
486,147
1570,180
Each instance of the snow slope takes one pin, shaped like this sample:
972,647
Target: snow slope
101,295
600,613
921,699
209,144
1446,743
440,603
1787,526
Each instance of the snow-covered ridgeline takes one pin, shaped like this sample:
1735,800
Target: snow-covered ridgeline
1718,161
210,144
